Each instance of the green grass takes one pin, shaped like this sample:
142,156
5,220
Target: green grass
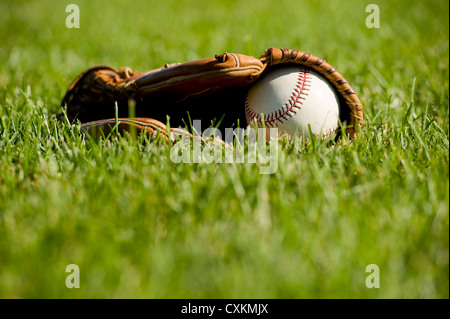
140,226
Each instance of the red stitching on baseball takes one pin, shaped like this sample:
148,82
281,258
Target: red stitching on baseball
289,109
331,131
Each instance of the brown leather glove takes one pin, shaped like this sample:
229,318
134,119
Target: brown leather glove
211,90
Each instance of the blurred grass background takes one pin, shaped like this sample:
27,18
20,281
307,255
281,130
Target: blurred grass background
140,226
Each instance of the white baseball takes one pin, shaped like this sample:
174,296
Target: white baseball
292,98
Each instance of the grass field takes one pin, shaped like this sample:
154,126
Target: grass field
140,226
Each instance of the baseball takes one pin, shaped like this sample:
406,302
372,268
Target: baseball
291,98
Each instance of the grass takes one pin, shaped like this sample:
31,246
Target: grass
141,226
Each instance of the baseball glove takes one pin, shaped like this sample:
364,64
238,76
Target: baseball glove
212,90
